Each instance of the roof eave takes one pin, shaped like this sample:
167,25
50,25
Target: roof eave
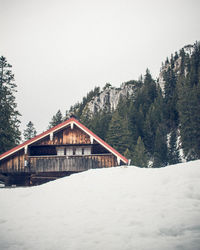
58,127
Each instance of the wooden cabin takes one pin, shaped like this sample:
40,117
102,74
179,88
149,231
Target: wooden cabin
65,149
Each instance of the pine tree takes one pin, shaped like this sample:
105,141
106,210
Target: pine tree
149,131
30,131
99,123
189,110
119,134
173,154
182,66
160,149
136,119
170,98
128,154
154,119
146,94
139,155
189,105
9,121
114,134
56,119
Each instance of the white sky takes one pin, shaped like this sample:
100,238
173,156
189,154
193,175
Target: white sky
61,49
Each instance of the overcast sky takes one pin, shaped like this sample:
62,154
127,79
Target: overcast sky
61,49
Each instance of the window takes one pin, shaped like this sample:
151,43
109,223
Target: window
83,151
74,151
60,151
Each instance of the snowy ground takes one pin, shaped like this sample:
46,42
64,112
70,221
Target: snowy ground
106,209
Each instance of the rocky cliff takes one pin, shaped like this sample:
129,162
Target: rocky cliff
188,50
108,98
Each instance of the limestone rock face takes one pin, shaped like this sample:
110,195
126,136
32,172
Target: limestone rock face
188,49
109,98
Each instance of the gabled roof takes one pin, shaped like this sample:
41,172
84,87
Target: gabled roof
58,127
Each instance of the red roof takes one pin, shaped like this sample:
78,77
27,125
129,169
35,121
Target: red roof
59,126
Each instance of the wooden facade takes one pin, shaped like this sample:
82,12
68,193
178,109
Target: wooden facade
67,148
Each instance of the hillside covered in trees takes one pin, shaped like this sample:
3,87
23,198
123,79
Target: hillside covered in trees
152,122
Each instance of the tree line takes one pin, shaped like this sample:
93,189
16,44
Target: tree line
154,127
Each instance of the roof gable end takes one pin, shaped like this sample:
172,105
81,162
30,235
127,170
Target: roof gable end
66,123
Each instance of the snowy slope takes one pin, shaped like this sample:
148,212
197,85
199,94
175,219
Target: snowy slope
105,209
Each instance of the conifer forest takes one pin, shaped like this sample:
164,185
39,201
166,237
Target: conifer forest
155,125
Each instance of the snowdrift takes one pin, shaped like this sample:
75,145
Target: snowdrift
106,209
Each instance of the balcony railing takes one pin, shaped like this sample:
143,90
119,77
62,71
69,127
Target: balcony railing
70,163
50,163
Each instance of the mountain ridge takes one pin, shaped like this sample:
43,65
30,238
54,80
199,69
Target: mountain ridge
110,95
148,120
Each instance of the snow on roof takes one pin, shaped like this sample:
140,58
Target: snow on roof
58,127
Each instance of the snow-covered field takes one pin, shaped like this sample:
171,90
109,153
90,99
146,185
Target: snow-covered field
106,209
